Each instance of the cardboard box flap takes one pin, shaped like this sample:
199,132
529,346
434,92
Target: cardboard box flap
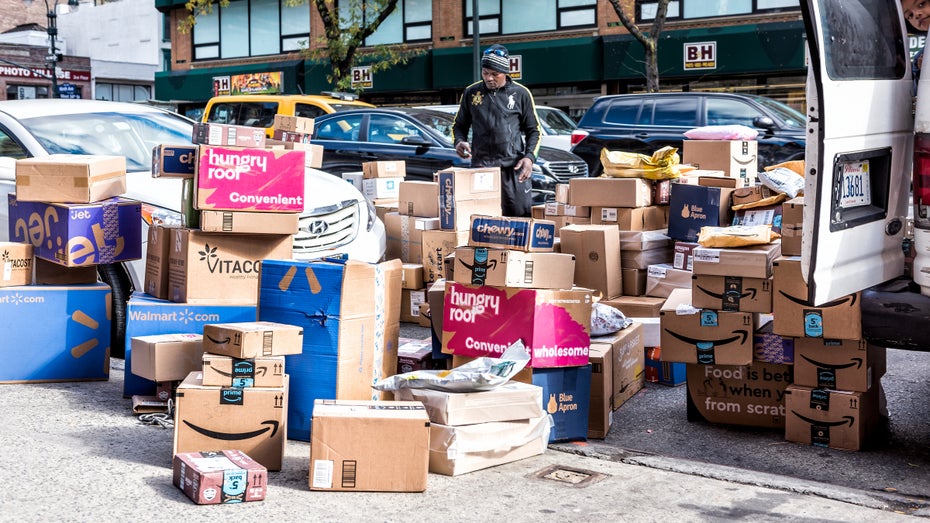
498,436
511,401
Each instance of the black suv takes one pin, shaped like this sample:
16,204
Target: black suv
644,123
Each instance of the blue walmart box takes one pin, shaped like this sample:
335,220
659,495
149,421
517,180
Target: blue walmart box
55,333
77,234
147,315
567,397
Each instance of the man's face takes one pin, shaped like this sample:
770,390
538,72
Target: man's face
493,79
917,13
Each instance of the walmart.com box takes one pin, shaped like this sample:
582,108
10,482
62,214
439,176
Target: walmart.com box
55,333
146,316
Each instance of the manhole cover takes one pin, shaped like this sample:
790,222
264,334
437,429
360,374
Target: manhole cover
570,475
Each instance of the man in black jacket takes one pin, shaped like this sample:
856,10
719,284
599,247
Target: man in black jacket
505,133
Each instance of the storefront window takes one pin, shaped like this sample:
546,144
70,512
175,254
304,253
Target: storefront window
26,92
695,9
251,28
122,92
528,16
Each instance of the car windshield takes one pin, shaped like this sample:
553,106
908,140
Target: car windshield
130,135
555,121
788,115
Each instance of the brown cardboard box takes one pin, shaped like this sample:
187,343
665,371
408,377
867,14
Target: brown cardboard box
293,124
156,263
16,264
506,268
424,320
385,169
456,450
628,362
464,192
226,476
225,371
610,192
763,215
411,276
166,357
538,212
48,273
228,135
644,240
597,257
563,209
634,281
249,222
705,336
792,220
344,455
649,218
215,417
437,245
736,158
684,255
313,154
752,194
381,188
716,181
418,199
565,221
561,192
510,401
637,306
414,355
832,418
251,339
219,268
410,304
795,316
854,365
601,413
405,236
754,261
646,258
750,395
731,293
662,279
70,178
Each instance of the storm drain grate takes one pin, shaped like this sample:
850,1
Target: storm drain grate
569,475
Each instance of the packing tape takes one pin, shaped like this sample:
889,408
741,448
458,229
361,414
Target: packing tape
380,325
404,239
112,244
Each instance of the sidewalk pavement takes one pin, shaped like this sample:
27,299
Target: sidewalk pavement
75,452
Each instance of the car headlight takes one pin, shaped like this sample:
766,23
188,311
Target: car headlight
166,217
543,181
372,214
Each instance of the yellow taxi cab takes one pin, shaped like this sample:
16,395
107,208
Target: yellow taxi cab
258,110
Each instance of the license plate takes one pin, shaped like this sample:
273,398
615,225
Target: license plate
855,190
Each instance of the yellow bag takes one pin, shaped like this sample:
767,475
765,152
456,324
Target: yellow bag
795,165
663,164
737,236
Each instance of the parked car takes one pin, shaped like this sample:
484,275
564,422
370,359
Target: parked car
556,126
644,123
30,128
258,110
423,139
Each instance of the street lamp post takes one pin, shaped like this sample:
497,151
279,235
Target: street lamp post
54,56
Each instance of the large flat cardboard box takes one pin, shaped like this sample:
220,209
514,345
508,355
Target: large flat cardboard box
705,336
456,450
174,161
225,371
250,179
795,316
600,415
226,476
510,401
567,398
662,279
252,339
628,362
554,325
76,234
147,315
750,395
463,192
218,267
736,158
350,314
70,178
596,249
854,365
645,258
521,234
731,293
367,446
418,199
754,261
637,306
651,218
249,222
644,240
792,221
156,262
694,206
507,268
610,192
228,135
167,357
217,417
16,263
405,236
437,246
836,419
385,169
53,333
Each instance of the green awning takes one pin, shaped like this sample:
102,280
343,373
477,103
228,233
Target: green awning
197,84
415,75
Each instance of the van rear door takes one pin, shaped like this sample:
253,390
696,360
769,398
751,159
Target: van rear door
859,146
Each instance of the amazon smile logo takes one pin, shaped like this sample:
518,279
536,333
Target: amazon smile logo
740,335
272,425
851,299
747,294
856,362
847,420
216,341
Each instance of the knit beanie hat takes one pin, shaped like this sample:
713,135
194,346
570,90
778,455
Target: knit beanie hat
496,58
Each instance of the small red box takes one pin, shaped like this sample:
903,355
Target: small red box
223,476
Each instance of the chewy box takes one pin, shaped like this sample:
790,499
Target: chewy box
521,234
55,333
250,179
74,234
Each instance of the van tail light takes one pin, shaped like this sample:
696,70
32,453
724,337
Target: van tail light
921,180
577,136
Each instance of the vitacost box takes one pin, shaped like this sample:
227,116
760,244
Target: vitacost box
53,333
751,395
507,268
463,192
705,336
567,397
225,371
166,357
70,178
226,476
16,264
74,234
261,180
252,339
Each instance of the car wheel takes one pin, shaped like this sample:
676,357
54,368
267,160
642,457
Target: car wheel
114,275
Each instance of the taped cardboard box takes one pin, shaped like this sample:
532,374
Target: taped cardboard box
228,135
167,357
457,450
836,419
345,457
854,365
754,261
385,169
731,293
250,179
412,276
596,249
225,371
705,336
437,246
600,416
634,281
644,240
736,158
645,259
792,221
628,362
227,476
350,314
610,192
507,268
649,218
510,401
381,188
410,300
405,236
563,209
464,192
418,199
174,161
293,124
662,279
521,234
252,339
70,178
156,262
244,222
796,316
637,306
749,395
216,417
16,264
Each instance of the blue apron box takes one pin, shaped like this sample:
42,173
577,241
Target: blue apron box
694,206
567,396
78,234
55,333
147,316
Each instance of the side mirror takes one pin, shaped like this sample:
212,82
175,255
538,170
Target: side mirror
763,122
415,139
